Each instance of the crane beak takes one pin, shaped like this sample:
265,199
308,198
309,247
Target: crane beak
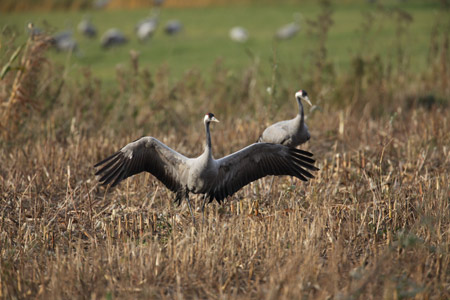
306,98
214,119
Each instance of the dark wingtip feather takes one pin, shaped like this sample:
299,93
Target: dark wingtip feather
305,173
106,159
108,165
303,158
304,164
110,176
302,178
121,175
302,152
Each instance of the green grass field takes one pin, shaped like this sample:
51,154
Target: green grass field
205,36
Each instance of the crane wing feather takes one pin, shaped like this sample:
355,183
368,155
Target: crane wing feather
145,154
256,161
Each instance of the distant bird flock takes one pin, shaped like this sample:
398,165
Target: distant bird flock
145,29
275,153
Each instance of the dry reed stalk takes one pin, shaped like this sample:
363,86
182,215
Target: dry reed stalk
22,96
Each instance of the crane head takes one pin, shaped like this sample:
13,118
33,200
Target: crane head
303,95
209,117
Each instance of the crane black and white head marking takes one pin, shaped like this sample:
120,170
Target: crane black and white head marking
303,95
209,117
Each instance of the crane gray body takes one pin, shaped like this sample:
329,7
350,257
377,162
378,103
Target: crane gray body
290,133
113,37
288,31
86,28
173,27
147,27
64,41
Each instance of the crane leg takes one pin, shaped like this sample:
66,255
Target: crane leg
203,209
190,208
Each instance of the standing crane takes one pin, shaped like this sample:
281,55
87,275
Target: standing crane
113,37
216,179
147,27
292,132
86,28
289,30
239,34
64,41
173,27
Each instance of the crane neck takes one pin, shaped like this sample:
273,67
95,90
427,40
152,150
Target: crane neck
208,138
300,111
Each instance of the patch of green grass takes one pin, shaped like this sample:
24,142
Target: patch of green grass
205,36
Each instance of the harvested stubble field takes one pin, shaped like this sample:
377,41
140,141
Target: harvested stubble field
374,223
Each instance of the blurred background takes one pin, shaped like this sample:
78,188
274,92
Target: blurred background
132,60
167,59
197,34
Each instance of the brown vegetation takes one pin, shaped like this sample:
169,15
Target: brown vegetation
373,224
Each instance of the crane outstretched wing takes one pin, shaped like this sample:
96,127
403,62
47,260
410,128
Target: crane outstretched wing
145,154
256,161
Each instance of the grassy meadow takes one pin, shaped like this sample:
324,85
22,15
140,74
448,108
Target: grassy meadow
357,28
374,223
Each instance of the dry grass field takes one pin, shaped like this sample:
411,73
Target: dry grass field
373,224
